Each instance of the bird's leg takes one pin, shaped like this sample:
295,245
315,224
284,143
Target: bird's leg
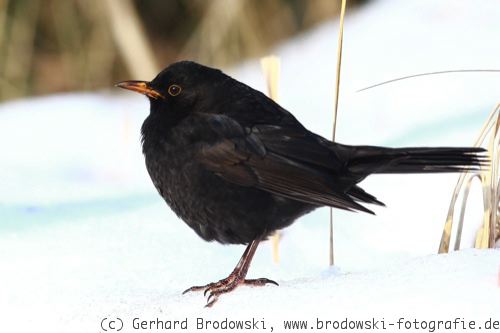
236,278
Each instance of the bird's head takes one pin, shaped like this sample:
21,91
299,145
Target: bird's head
180,88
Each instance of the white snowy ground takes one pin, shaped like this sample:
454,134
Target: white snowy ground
84,236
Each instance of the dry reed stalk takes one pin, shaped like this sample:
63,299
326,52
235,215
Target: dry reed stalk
489,231
208,38
462,210
3,35
131,39
100,52
331,259
70,39
271,68
19,48
3,15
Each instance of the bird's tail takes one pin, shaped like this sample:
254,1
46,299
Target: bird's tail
365,160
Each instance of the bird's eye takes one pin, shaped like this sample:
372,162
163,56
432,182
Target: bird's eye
174,90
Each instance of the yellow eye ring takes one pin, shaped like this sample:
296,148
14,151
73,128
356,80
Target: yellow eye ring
174,90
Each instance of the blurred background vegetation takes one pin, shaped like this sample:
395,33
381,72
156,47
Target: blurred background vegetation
49,46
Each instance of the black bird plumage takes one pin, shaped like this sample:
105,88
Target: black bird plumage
236,166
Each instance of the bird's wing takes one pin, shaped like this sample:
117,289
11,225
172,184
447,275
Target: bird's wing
282,159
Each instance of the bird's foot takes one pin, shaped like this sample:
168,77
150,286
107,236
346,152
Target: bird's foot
235,279
215,289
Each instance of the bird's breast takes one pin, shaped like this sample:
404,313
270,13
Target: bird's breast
213,207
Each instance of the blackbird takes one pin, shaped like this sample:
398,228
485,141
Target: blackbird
236,166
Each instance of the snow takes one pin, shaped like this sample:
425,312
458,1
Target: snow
84,236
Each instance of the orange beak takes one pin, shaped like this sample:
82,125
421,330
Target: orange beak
141,87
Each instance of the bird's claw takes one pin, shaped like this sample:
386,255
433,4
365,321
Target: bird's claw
260,282
194,288
215,289
212,298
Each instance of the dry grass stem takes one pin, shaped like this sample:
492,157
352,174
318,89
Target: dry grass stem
271,68
489,231
131,39
331,259
215,25
19,48
462,210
